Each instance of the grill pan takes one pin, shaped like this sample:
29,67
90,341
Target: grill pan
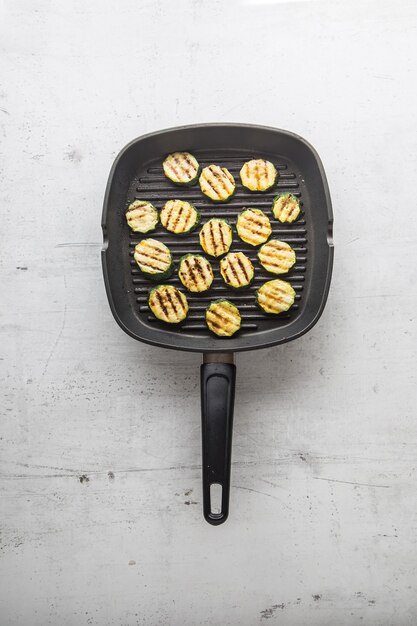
137,174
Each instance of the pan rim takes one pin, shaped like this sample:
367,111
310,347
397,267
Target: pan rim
261,342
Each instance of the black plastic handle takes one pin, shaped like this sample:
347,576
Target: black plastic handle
217,402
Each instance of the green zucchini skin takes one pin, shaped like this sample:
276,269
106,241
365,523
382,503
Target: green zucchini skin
224,326
195,213
168,304
278,212
182,161
160,249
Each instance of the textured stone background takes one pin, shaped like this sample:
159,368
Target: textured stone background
100,474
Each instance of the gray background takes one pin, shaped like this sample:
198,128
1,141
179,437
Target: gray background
100,477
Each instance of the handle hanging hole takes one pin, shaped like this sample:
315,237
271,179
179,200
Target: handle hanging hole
216,491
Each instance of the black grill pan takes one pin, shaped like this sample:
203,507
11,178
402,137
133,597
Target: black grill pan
137,173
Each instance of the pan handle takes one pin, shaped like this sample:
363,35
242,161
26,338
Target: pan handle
218,377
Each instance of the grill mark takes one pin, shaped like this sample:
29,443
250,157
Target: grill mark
256,175
213,242
219,316
179,213
179,300
242,267
201,270
191,271
220,225
293,210
161,303
168,295
233,270
172,168
150,256
220,178
181,165
247,172
189,162
216,177
229,318
213,188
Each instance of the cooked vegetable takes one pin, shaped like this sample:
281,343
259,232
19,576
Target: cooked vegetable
223,318
253,226
217,183
141,216
168,304
276,256
275,296
237,270
216,237
258,175
154,259
179,217
195,272
181,168
286,207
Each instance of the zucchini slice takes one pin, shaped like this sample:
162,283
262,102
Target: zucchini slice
195,272
286,207
179,217
253,226
276,256
275,296
237,270
258,175
223,318
216,237
168,304
141,216
182,168
154,259
217,183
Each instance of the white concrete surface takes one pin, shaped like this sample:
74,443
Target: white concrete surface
101,503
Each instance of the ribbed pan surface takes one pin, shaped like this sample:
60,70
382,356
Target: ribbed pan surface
154,186
137,173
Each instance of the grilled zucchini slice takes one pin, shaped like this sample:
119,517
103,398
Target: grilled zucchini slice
141,216
237,270
216,237
258,175
195,272
179,217
286,207
168,304
182,168
223,318
253,226
275,296
276,256
154,259
217,183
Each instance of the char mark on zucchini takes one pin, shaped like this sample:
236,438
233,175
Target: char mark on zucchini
286,207
168,304
195,272
154,259
179,217
217,183
216,237
258,175
253,226
141,216
223,318
182,168
276,256
237,270
275,296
